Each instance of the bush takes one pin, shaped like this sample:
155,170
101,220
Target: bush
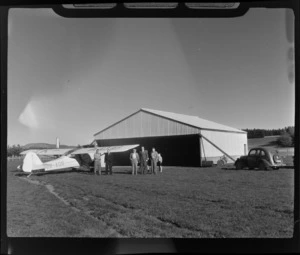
285,140
14,150
291,132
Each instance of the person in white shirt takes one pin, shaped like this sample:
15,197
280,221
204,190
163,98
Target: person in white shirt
134,158
97,162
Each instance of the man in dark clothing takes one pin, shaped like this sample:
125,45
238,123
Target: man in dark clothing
143,160
108,162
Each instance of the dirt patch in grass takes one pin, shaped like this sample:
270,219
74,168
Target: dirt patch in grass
180,202
33,211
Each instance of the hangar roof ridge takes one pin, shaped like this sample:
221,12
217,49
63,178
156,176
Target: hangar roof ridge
193,120
190,120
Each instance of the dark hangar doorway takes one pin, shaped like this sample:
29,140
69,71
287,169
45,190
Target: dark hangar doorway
182,150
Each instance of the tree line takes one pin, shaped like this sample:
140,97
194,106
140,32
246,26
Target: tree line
286,138
14,150
260,133
286,135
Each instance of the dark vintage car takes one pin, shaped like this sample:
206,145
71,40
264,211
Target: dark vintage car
260,158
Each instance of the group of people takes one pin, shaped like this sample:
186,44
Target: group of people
136,159
142,158
108,159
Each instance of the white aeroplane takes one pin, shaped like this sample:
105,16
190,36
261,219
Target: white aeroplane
69,158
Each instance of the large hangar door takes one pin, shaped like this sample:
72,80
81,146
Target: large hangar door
181,150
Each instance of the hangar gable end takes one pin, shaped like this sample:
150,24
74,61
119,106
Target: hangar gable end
153,123
144,124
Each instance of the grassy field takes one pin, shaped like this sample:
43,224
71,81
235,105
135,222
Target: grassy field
180,202
269,142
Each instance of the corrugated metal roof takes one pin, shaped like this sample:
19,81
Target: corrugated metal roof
193,120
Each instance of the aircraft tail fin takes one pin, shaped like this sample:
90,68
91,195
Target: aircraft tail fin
31,162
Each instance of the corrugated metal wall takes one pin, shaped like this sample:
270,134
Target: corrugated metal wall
231,143
143,124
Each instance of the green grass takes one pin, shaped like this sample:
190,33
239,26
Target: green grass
269,142
34,212
180,202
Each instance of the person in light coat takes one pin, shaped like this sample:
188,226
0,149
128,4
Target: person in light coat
97,162
159,162
134,158
154,159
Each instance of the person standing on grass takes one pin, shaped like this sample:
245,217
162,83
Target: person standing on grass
134,158
143,160
97,162
159,162
109,162
154,159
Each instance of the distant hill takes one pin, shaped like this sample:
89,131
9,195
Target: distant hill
41,146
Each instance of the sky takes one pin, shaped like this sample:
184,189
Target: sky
71,78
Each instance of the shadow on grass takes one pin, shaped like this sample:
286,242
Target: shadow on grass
21,173
87,172
121,172
103,172
248,169
288,167
16,170
129,172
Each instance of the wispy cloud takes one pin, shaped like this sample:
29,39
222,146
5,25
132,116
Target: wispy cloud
28,117
39,113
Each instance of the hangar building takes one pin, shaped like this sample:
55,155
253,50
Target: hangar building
182,140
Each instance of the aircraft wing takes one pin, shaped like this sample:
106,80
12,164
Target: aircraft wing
119,148
25,152
48,152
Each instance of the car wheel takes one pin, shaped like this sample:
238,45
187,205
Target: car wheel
262,166
239,165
